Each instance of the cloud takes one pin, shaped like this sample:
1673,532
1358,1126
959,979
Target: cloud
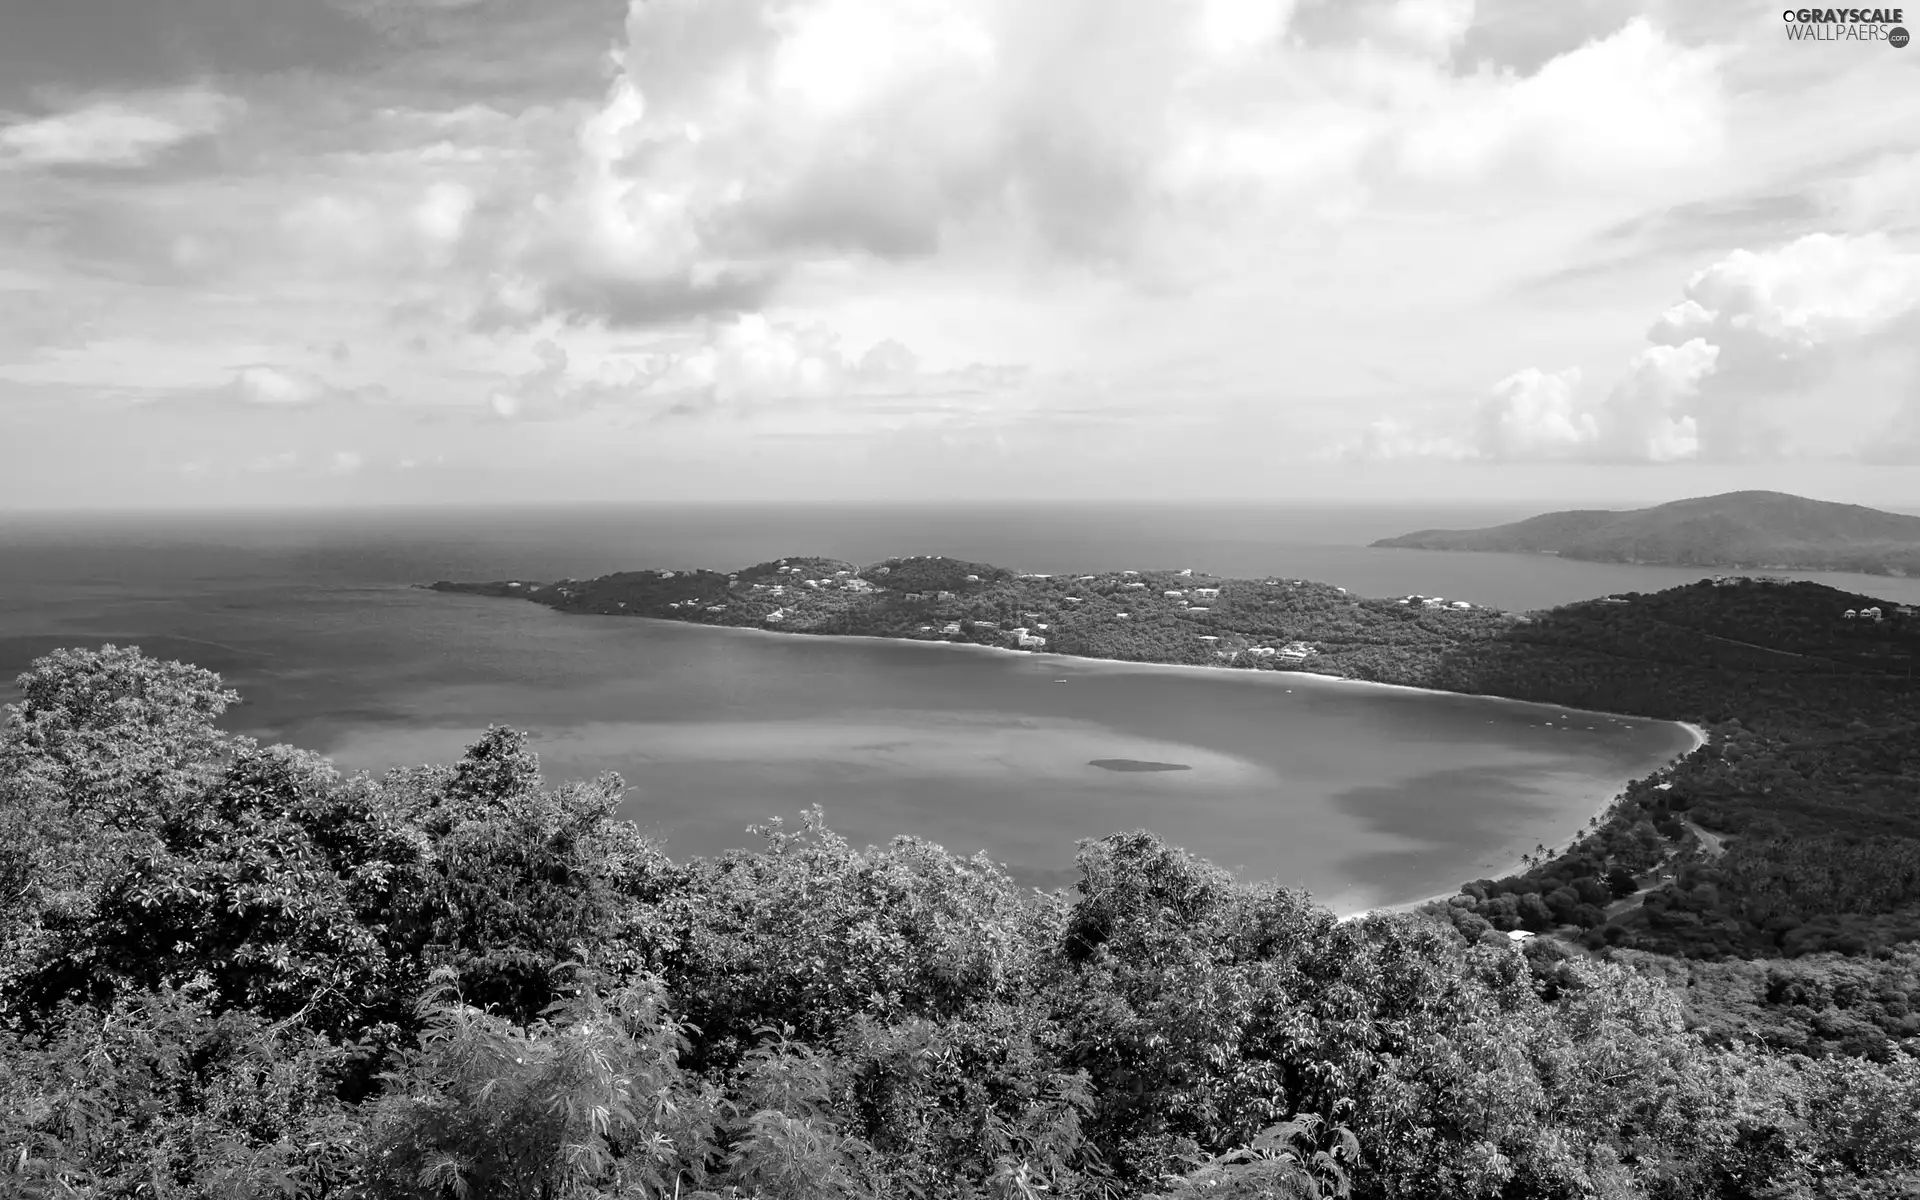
744,366
441,215
1531,414
271,387
1807,350
1632,101
285,460
745,144
118,131
1391,438
345,462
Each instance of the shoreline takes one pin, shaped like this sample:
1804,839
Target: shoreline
1268,676
1697,736
1694,731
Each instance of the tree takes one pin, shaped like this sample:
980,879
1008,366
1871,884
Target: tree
102,750
585,1100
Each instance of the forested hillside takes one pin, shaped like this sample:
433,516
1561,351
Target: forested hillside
1735,529
230,971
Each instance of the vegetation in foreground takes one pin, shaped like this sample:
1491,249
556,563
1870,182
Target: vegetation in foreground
230,971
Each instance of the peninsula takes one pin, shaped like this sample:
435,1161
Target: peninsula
1737,530
1793,830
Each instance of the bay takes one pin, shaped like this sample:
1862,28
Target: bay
1366,796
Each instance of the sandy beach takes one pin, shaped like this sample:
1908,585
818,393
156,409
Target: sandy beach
1517,865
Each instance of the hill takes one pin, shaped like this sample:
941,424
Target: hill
1736,529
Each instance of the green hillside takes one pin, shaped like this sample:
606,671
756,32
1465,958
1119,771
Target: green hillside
1737,529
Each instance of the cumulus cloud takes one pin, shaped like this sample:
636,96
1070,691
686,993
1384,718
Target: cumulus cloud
269,387
1628,102
1532,414
441,215
1807,350
746,365
742,142
117,131
1392,438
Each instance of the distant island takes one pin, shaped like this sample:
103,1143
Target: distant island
1740,530
1793,831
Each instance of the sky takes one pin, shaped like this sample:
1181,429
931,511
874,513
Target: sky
397,251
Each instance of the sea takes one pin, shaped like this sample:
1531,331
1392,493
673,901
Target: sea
1365,796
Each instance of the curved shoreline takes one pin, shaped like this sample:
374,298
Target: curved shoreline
1266,677
1516,866
1260,678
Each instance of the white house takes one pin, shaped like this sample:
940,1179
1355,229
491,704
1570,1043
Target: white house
1172,595
776,616
1205,593
1847,615
1518,935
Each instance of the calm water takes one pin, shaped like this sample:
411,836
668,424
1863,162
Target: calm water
1364,795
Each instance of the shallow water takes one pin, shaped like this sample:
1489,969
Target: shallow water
1364,795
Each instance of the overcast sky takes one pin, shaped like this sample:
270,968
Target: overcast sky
325,250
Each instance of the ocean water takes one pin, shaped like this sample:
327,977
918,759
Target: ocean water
1364,795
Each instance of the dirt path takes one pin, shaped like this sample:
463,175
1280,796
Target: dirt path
1712,843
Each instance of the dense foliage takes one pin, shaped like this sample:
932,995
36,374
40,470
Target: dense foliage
229,971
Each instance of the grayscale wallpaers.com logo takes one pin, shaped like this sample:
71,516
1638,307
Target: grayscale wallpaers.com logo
1846,25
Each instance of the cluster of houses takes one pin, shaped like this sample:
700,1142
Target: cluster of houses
1428,601
1291,652
1738,580
1862,614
